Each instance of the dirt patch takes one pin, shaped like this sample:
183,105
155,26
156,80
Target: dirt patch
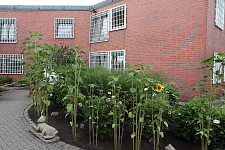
62,124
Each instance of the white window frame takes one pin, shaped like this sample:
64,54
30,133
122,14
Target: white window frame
8,30
11,64
216,66
99,27
115,59
114,22
219,18
64,28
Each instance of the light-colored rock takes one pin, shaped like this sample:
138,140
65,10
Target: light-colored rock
54,113
169,147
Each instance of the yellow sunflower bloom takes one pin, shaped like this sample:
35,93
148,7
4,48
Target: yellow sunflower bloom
159,87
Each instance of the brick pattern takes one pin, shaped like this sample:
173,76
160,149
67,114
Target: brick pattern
173,36
15,124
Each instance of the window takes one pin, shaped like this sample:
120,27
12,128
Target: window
64,28
216,67
8,30
118,18
219,21
105,21
108,59
11,64
99,27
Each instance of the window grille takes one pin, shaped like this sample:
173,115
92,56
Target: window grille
219,21
64,27
99,29
108,59
8,30
11,64
118,18
105,21
216,67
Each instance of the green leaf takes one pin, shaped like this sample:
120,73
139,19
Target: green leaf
43,83
111,113
161,133
69,107
133,90
142,95
133,135
131,115
166,124
47,102
113,125
141,119
82,52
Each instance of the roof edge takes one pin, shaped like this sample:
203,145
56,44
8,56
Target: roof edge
56,7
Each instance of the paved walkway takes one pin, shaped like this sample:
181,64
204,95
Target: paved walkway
15,124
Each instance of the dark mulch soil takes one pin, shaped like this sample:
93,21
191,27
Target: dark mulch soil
62,124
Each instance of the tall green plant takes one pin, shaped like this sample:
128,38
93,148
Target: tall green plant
38,68
118,107
72,78
139,83
207,94
149,98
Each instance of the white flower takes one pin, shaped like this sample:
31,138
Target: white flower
113,96
216,121
179,113
120,102
109,93
108,99
145,89
153,94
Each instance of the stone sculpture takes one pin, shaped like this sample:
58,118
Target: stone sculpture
44,131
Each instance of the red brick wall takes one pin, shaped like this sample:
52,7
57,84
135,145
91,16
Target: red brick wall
215,37
168,35
43,22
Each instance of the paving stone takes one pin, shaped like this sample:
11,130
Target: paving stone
14,127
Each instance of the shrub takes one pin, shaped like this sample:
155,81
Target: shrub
186,121
20,83
6,79
218,133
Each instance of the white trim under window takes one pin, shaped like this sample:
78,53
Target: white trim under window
114,59
8,30
11,64
219,18
64,28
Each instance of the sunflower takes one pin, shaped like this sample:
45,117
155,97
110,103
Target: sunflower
159,87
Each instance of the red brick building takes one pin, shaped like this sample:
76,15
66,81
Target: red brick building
173,36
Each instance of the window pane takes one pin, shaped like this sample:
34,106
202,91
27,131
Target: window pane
8,30
219,14
99,59
11,64
64,28
118,17
99,27
108,59
118,59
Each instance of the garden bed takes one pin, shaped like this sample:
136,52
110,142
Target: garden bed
62,124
